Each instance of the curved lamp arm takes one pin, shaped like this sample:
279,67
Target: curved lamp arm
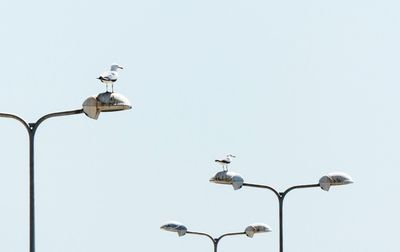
203,234
56,114
230,234
33,126
281,194
6,115
215,240
298,187
264,187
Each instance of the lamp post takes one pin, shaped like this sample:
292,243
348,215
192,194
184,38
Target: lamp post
103,102
234,179
181,230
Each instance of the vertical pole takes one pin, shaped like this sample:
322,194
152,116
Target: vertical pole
31,189
281,223
215,241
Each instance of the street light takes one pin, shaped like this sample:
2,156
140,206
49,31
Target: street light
236,180
103,102
181,230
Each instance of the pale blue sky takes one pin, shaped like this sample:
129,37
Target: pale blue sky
295,89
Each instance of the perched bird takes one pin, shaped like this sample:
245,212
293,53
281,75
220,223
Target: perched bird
224,162
109,77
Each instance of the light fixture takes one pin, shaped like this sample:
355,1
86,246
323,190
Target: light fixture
256,228
228,178
105,102
334,179
176,227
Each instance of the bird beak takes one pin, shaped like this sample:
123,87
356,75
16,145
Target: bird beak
120,67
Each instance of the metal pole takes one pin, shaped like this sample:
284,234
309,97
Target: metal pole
31,128
31,191
281,223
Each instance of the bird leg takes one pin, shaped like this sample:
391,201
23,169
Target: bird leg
112,87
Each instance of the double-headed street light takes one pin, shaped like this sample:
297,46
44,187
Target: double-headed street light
181,230
325,182
92,107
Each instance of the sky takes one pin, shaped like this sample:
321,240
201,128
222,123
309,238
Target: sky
295,89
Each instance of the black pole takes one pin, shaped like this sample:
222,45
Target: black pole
215,245
31,128
31,190
281,223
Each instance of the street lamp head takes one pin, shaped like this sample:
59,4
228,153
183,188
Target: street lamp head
228,178
176,227
256,228
334,179
105,102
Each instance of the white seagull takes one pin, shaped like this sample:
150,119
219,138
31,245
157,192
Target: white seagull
109,77
224,162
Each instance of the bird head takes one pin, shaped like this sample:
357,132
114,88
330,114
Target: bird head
115,67
230,155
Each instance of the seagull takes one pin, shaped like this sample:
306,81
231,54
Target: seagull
224,162
109,77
